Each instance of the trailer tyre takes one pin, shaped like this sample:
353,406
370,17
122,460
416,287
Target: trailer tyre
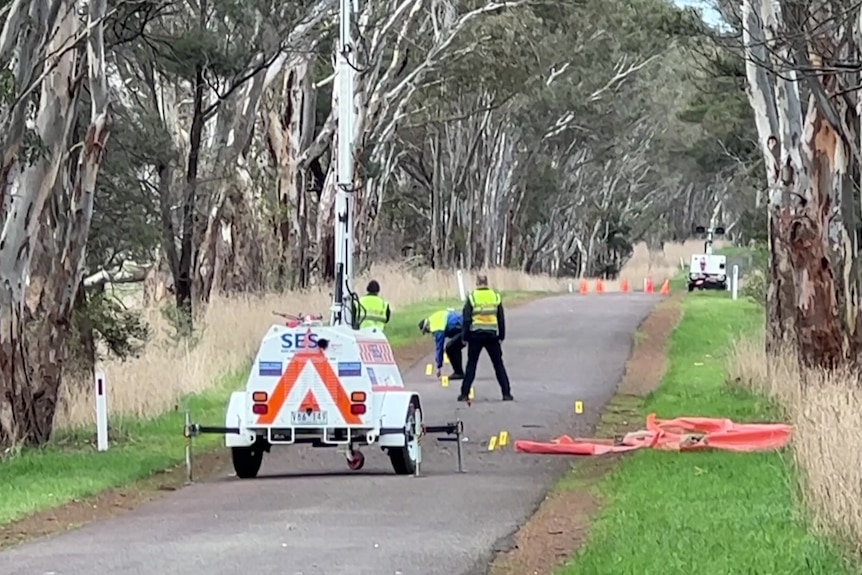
402,462
247,460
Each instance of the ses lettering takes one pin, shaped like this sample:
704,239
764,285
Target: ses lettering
299,341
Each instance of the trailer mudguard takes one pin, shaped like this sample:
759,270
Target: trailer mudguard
234,418
393,414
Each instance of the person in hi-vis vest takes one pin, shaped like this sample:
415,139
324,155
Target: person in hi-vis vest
375,309
484,327
443,325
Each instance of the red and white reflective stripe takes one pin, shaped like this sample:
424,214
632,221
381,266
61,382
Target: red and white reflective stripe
376,353
377,388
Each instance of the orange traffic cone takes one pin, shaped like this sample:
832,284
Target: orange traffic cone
584,288
624,285
649,287
600,287
665,287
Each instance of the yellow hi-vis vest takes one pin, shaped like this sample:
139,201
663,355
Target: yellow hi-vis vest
375,311
437,321
485,302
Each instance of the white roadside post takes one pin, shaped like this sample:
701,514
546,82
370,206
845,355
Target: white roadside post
101,389
462,290
735,280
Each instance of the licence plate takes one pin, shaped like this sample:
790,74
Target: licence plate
313,418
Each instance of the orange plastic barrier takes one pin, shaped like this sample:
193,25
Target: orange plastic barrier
680,434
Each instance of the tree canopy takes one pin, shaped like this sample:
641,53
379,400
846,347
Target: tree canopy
190,145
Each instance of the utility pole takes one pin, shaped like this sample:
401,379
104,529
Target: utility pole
342,304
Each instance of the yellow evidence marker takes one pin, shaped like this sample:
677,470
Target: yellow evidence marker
503,438
472,394
444,381
445,359
492,443
579,407
429,369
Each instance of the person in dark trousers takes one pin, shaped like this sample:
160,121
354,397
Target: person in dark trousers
484,327
446,324
375,308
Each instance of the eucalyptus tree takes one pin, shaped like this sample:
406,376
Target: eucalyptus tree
50,50
803,90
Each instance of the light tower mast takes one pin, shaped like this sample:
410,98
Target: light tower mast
343,301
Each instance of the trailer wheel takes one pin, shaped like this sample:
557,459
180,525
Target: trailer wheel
247,460
402,462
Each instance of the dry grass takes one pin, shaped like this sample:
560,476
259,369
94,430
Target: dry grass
826,413
153,382
659,265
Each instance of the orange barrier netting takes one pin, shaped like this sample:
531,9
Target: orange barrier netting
680,434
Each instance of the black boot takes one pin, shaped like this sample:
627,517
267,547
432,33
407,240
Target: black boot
463,397
508,397
455,376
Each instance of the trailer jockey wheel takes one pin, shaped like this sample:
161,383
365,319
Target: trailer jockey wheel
356,461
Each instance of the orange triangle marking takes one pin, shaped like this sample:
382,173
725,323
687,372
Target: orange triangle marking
309,402
289,379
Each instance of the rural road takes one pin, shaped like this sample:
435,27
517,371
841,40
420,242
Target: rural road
308,515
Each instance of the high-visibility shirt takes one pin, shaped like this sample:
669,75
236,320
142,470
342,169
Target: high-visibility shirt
439,320
442,324
375,311
484,302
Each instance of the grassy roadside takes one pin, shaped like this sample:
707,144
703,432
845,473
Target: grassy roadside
709,513
70,469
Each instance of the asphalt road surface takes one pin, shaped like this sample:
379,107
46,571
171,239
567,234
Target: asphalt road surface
309,515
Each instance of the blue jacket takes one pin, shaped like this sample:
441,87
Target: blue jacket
453,328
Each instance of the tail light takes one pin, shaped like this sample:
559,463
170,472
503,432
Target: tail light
357,403
259,398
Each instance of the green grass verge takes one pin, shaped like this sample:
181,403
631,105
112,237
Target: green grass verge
707,513
70,469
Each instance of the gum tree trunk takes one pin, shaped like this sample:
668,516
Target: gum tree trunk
809,239
290,132
769,101
34,329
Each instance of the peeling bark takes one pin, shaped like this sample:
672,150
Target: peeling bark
810,299
34,333
289,134
231,258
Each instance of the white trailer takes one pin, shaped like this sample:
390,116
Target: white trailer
328,385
